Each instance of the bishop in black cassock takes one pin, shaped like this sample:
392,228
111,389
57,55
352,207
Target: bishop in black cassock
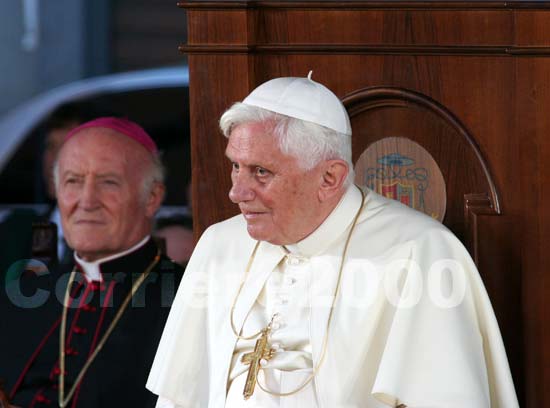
94,339
117,375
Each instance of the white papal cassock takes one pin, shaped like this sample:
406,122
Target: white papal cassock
412,323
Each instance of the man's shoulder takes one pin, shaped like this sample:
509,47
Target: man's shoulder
395,222
390,208
225,237
167,265
234,227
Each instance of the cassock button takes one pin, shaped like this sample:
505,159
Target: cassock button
57,371
292,260
95,286
80,330
41,398
88,308
289,280
283,300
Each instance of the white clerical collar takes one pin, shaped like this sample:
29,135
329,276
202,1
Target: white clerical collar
92,270
334,225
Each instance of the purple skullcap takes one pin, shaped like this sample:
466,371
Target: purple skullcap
120,125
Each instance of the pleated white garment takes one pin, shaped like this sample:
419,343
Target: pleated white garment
412,324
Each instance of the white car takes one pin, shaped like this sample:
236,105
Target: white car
157,99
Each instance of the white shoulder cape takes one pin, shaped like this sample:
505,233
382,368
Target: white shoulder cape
413,323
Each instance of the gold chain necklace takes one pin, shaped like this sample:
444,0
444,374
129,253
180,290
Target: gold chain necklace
263,350
62,400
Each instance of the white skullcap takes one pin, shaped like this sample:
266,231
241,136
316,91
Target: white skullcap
302,98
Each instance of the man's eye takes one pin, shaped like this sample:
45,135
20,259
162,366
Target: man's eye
260,171
110,183
235,166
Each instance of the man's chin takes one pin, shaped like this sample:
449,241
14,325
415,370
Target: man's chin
92,254
260,234
89,248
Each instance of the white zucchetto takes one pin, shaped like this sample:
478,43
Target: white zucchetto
302,98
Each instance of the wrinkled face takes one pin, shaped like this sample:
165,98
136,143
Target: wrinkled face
278,199
54,141
99,195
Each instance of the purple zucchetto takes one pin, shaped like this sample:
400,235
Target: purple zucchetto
120,125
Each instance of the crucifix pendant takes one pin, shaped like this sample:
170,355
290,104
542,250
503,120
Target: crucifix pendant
262,351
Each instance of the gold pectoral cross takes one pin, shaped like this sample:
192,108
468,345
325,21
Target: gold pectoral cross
262,351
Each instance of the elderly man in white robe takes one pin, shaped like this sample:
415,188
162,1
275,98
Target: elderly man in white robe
322,294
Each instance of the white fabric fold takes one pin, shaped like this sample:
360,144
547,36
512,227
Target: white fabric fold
402,331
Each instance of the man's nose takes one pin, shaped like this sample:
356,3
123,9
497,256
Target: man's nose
89,197
242,189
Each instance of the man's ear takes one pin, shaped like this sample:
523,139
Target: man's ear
154,200
333,178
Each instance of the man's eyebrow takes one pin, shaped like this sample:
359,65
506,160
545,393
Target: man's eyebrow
71,173
108,175
267,165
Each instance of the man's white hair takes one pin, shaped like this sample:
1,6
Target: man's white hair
309,142
154,173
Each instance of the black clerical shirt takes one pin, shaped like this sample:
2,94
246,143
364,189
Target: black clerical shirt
117,375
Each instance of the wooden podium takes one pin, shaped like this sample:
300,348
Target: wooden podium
468,81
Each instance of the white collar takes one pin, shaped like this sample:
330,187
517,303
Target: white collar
92,270
332,227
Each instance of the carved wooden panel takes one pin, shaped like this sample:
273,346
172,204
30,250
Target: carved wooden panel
378,113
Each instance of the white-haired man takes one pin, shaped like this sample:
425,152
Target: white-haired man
112,308
317,294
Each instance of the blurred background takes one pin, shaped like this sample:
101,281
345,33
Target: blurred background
115,56
64,62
